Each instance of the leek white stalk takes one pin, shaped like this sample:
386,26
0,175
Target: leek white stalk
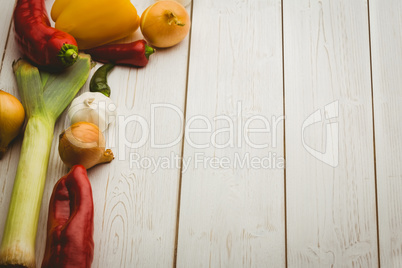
93,107
44,97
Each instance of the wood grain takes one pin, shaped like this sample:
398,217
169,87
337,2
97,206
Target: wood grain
386,41
342,135
6,13
331,209
135,208
136,205
233,215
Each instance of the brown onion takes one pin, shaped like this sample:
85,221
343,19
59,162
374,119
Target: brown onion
83,144
165,24
12,116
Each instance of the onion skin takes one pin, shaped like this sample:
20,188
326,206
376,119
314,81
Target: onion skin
165,24
83,144
12,116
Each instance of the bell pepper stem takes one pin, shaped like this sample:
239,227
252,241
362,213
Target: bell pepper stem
68,54
149,51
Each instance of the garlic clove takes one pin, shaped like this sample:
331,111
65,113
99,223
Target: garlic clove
93,107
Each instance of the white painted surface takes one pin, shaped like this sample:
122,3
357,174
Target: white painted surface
331,212
135,209
249,217
233,216
6,13
386,41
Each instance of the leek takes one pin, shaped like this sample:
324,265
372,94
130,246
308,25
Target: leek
44,97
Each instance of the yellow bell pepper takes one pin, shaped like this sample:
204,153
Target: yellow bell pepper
95,22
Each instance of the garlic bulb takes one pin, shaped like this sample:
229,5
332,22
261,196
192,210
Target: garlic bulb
93,107
83,144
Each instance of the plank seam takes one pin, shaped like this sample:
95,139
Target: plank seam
374,144
5,45
182,145
284,135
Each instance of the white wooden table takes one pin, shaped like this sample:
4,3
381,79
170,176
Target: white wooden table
257,82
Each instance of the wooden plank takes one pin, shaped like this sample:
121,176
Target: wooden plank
233,215
331,209
6,13
135,207
386,41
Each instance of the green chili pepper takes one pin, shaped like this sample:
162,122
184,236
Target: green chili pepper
99,80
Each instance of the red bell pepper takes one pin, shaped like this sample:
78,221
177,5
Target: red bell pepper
44,45
134,54
70,225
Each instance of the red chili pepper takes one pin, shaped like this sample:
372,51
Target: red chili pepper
38,41
132,54
70,225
